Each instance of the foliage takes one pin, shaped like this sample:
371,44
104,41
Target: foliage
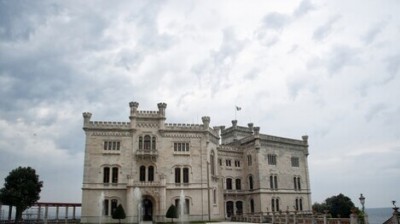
21,189
119,213
172,212
335,205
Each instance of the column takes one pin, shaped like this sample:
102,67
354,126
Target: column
38,214
46,212
66,214
57,208
73,212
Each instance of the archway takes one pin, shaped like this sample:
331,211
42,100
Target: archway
147,209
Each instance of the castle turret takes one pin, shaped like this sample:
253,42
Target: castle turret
206,122
134,106
257,137
86,118
161,111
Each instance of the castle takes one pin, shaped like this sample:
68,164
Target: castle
216,173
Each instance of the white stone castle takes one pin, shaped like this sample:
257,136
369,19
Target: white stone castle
211,173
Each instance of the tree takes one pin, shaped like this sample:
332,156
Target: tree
119,213
172,212
21,189
336,205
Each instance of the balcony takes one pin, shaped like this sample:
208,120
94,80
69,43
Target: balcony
147,154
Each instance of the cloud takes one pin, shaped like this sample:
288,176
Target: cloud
324,30
304,7
373,32
276,21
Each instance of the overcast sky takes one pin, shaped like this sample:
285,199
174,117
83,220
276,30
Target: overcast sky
328,69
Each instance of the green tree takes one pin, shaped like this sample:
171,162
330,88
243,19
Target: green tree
172,212
335,205
119,213
21,189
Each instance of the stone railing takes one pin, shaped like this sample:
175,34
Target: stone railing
109,124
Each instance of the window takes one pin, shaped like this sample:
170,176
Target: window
295,161
228,162
114,204
106,175
229,208
229,184
299,204
271,159
185,175
112,145
147,142
275,205
297,183
110,174
115,175
238,184
186,206
220,162
273,182
105,208
153,143
142,176
177,175
212,163
239,208
251,205
251,182
151,173
181,147
215,196
237,163
249,160
140,142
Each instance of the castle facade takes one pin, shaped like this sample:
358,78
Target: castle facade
210,173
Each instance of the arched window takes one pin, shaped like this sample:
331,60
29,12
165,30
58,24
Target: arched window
115,175
185,175
251,182
251,205
142,175
140,142
301,204
177,175
249,161
238,184
151,174
229,208
229,184
106,175
212,163
147,140
114,204
275,204
153,143
239,208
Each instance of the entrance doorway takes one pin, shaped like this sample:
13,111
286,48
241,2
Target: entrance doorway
147,210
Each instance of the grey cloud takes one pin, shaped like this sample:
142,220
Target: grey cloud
324,30
373,32
374,111
339,57
392,66
276,21
304,7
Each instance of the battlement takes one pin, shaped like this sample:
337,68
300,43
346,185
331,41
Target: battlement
283,140
229,148
108,124
184,126
148,113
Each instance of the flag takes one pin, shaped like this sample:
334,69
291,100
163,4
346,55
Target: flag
238,108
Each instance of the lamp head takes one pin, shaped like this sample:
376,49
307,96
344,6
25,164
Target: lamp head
362,199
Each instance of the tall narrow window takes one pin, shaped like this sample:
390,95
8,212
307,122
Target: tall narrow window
295,183
271,182
106,206
297,204
301,204
215,196
153,143
276,182
142,176
177,175
151,174
185,175
147,142
114,204
238,184
251,205
229,184
249,161
115,174
106,175
212,163
251,182
239,207
277,204
140,142
298,183
273,204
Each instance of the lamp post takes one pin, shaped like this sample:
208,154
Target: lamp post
362,201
